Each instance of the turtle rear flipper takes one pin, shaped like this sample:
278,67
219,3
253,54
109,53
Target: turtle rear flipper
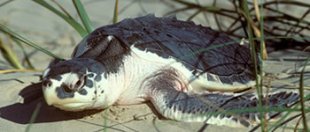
212,108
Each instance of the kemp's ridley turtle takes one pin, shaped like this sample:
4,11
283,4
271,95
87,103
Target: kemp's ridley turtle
173,64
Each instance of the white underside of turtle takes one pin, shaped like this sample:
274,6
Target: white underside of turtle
174,90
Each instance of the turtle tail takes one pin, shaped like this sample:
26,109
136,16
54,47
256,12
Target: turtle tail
218,108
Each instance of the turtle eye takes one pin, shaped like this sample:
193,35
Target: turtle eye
47,83
78,83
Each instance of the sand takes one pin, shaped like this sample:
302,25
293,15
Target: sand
20,92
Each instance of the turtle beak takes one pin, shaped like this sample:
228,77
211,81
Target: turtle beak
48,97
48,102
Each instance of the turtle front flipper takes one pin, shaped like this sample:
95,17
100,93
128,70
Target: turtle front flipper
212,108
104,48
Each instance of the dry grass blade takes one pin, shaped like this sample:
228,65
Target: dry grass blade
62,8
213,9
115,13
296,3
193,15
274,16
6,2
260,33
287,17
217,22
173,12
18,70
254,129
302,101
297,124
298,23
257,11
10,56
254,58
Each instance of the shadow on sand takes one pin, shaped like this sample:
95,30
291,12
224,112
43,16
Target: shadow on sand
22,112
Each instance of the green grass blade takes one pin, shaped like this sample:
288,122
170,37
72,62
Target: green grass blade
78,27
27,59
261,57
115,14
83,15
24,40
253,54
33,117
302,101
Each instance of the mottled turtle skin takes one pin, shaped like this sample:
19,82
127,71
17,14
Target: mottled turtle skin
171,63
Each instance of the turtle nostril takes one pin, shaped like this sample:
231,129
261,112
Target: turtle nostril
67,88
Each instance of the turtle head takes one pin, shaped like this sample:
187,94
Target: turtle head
72,84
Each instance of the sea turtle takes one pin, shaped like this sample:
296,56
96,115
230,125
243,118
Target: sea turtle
180,67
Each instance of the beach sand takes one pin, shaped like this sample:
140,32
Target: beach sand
21,96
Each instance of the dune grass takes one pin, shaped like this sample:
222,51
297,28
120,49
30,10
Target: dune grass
245,16
65,16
